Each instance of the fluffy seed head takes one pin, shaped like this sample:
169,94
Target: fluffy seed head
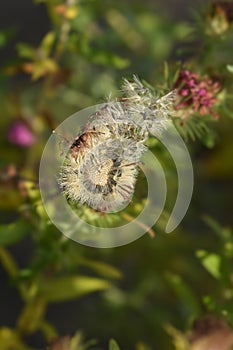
101,165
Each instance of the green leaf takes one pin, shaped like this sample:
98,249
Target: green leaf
211,262
113,345
44,67
12,233
31,316
185,294
230,68
8,262
3,39
48,330
210,303
101,268
71,287
179,339
40,209
182,30
26,51
140,345
5,35
104,58
213,224
47,43
224,233
9,339
10,266
209,139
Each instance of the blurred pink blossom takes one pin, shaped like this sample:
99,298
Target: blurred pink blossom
19,134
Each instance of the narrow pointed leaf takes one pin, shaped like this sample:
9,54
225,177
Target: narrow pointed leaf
71,287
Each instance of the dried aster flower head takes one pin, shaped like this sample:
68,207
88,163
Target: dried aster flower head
195,94
104,172
101,166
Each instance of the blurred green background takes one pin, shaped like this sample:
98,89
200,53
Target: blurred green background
58,57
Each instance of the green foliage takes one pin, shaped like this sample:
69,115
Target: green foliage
219,265
211,262
5,36
12,233
195,128
136,292
70,287
230,68
113,345
185,294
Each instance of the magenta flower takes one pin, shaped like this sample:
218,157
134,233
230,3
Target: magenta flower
196,94
19,134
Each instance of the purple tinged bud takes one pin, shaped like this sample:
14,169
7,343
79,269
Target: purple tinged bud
196,93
